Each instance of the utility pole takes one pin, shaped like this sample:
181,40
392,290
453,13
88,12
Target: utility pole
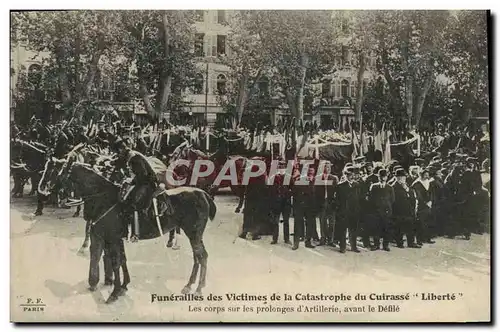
206,96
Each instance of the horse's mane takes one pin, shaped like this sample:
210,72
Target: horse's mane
94,179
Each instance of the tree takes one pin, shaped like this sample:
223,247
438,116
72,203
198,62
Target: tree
361,43
248,63
74,42
467,59
159,45
302,46
411,47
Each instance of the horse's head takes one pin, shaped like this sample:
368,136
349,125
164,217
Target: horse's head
51,175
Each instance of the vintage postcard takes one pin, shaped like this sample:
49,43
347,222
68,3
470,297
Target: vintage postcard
250,166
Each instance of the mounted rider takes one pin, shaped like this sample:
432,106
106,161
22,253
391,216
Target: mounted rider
142,185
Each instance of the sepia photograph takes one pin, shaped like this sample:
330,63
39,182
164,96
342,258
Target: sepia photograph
236,166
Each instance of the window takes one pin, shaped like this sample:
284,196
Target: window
199,15
198,44
221,84
221,44
198,84
221,16
353,89
325,88
345,88
211,46
336,89
263,85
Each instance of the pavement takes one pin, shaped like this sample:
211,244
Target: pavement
446,281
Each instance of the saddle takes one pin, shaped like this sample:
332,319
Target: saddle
164,205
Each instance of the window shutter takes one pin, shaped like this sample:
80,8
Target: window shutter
206,46
214,45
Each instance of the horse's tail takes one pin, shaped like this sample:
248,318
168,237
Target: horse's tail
213,207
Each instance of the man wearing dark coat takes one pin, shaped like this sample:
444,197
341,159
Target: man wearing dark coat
325,196
403,211
347,214
143,184
304,210
280,199
381,198
439,202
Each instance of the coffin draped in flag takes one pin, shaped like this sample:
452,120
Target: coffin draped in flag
338,153
403,151
158,167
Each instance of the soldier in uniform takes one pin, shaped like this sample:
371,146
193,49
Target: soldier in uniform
403,211
381,198
143,184
347,199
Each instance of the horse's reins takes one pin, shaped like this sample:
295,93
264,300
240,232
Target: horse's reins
104,214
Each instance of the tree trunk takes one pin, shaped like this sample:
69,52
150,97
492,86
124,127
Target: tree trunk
165,83
144,93
359,88
304,62
242,97
94,62
394,90
421,99
408,85
63,77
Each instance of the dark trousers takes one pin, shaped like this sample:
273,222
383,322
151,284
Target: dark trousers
343,223
403,226
303,215
283,206
422,225
327,222
381,229
365,228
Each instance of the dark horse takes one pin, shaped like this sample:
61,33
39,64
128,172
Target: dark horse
34,159
187,208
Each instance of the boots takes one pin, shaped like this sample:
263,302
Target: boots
135,228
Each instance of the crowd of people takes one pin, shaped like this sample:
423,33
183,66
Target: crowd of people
375,203
370,202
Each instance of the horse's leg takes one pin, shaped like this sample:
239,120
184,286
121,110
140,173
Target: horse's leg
39,204
116,259
171,237
96,249
108,267
77,213
126,275
194,274
202,259
35,178
85,243
241,196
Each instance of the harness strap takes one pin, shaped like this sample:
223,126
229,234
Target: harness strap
105,213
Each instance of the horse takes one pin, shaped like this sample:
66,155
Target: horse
34,160
50,183
193,208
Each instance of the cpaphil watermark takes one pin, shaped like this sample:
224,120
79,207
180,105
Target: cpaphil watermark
253,169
